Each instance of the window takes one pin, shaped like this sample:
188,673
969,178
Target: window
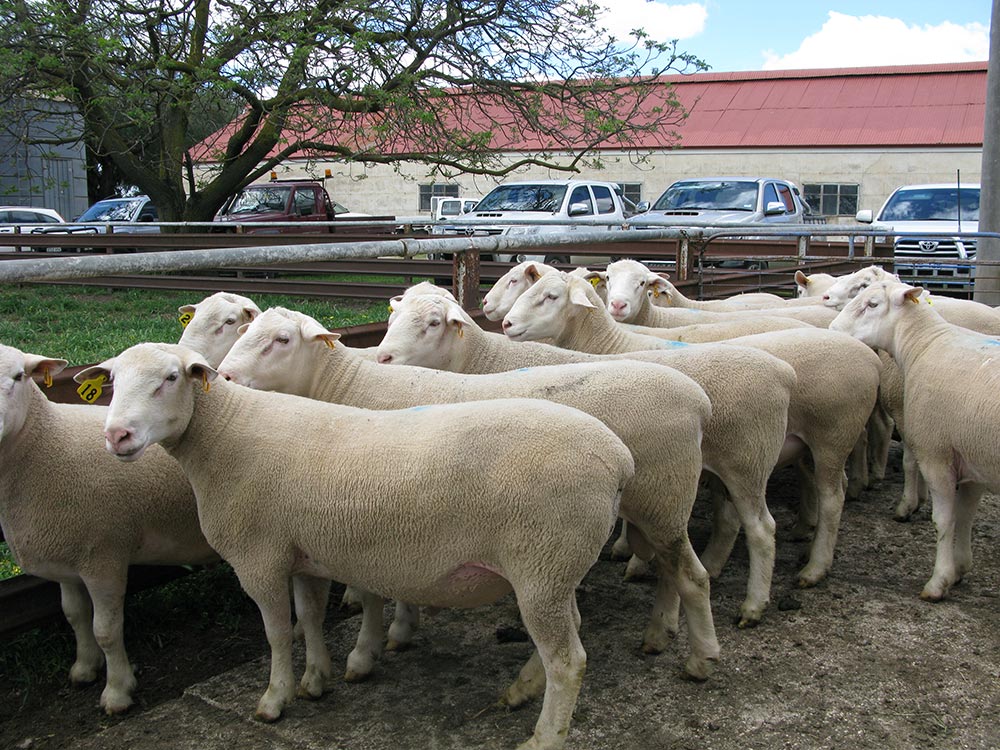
786,197
631,190
580,194
605,203
305,202
832,199
429,191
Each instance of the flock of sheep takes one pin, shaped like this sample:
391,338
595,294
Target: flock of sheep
450,466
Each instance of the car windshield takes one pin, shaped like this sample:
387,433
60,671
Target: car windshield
257,200
932,204
543,198
717,195
110,210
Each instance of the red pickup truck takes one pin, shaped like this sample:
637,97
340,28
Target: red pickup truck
304,202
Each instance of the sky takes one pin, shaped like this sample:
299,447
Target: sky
740,35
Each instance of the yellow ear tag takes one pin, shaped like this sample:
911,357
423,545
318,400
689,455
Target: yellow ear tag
390,309
331,343
204,381
90,390
656,292
594,281
47,377
461,331
185,318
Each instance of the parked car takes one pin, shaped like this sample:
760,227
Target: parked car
928,222
27,219
550,205
304,202
139,212
721,201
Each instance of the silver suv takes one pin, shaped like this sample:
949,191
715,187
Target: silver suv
929,222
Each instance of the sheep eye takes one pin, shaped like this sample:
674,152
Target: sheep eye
282,339
230,321
872,303
19,377
552,296
172,377
434,323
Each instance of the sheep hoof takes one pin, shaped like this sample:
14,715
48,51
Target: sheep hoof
393,645
117,705
808,579
266,715
745,622
351,608
352,676
81,675
698,669
934,593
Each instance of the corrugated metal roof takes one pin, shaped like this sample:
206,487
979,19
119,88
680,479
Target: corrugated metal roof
907,105
912,105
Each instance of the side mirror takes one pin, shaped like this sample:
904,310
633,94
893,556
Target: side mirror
579,209
865,216
774,208
642,207
146,217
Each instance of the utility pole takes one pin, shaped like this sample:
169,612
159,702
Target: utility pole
987,287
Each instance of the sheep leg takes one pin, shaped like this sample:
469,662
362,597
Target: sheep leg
108,595
725,528
879,441
80,615
914,488
311,597
368,648
552,621
857,468
680,571
759,529
404,624
351,600
943,500
805,522
270,594
620,549
969,495
828,475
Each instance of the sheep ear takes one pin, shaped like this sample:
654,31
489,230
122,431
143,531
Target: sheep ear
912,294
394,301
578,293
531,273
658,284
242,329
250,314
199,369
187,309
104,368
313,331
44,366
801,279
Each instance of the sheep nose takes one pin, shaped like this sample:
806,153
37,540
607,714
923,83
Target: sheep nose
383,359
506,324
826,297
617,306
227,375
117,436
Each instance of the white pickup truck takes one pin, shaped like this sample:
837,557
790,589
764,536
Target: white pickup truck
541,207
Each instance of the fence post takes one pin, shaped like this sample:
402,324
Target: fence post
465,272
683,260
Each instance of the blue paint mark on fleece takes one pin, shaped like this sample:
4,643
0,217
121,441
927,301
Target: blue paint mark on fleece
523,369
418,408
674,344
991,342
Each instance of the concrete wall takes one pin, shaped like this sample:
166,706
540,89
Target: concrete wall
384,190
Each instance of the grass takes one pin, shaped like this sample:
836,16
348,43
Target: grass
85,325
8,569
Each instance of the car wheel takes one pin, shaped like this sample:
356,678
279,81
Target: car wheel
756,265
553,259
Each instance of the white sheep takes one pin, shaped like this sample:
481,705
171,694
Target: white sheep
211,326
951,376
813,284
835,391
749,391
633,290
670,296
290,486
288,351
72,514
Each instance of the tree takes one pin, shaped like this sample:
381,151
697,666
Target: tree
446,82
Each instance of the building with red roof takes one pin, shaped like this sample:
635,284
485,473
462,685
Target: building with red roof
847,136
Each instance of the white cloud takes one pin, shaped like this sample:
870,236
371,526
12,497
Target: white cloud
661,21
852,41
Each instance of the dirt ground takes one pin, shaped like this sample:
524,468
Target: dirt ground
857,662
